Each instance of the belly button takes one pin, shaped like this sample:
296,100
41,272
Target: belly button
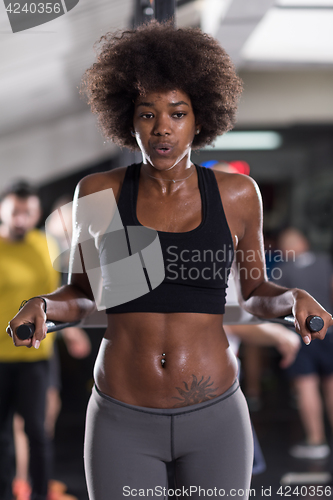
163,361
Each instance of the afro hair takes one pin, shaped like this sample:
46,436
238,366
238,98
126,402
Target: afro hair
155,57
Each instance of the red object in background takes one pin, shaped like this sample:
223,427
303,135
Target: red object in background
242,167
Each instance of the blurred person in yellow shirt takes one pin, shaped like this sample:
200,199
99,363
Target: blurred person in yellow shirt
26,270
78,346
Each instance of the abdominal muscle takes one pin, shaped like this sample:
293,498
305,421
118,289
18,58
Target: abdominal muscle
198,362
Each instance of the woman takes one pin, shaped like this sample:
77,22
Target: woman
166,388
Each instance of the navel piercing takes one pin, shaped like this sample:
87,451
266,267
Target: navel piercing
163,360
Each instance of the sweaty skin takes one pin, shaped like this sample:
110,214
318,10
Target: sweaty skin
198,363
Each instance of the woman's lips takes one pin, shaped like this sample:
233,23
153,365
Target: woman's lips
163,149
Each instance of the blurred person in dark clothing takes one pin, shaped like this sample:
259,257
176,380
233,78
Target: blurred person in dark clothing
313,366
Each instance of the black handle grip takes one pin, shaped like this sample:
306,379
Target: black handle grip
313,323
26,331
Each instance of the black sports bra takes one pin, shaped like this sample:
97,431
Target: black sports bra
196,263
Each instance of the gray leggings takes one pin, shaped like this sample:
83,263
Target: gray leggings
127,448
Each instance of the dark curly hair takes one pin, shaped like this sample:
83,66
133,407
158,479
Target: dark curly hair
19,188
159,57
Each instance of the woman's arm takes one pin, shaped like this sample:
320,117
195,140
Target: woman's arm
257,295
269,334
94,206
67,304
71,302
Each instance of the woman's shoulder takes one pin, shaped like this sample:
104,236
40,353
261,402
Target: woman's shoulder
94,183
237,187
241,200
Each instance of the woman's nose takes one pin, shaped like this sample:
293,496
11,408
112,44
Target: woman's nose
162,126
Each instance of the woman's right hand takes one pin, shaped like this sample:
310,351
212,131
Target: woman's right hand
31,312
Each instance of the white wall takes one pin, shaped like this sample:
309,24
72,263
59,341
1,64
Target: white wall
48,151
282,98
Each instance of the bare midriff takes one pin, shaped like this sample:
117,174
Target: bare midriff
159,360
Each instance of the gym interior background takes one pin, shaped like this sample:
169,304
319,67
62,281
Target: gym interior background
283,50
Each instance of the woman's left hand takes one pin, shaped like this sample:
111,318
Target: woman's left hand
304,306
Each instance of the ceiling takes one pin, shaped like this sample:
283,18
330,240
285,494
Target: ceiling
45,128
277,33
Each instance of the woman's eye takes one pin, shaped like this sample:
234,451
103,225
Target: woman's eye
146,115
180,114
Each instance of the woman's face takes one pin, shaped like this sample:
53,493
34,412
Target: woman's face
164,127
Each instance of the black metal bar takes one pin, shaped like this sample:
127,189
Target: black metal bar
143,12
313,323
165,10
26,331
146,10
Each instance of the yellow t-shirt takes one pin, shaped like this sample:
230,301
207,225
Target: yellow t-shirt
25,271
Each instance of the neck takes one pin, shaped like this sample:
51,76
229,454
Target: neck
160,176
179,168
167,186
